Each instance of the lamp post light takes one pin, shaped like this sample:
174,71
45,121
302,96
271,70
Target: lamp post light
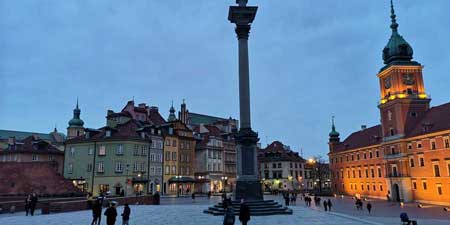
224,182
178,187
126,179
292,181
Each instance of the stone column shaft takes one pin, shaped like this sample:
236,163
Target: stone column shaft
242,32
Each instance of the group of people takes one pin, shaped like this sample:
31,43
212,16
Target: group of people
327,205
290,199
229,217
110,213
360,205
30,204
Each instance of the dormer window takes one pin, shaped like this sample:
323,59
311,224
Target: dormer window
108,133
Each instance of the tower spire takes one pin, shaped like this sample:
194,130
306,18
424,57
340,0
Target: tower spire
334,135
77,103
394,24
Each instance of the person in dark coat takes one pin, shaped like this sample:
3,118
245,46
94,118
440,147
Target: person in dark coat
33,203
244,213
96,212
228,218
193,196
157,198
111,214
27,204
329,204
126,214
325,205
369,207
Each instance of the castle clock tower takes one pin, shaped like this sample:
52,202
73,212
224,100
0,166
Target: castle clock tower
403,97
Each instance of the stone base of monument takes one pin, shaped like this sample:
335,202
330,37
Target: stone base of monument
257,208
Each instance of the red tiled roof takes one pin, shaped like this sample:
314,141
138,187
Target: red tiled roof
277,151
33,144
156,118
436,119
362,138
18,178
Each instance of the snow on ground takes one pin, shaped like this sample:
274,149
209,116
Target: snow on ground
184,215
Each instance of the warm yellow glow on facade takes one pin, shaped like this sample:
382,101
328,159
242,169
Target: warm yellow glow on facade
423,95
392,97
401,95
383,101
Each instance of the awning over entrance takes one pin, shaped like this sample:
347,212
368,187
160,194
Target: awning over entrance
139,180
181,180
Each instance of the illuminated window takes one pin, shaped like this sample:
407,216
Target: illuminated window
102,150
100,167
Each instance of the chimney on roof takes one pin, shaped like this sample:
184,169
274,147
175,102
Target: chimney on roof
141,105
363,127
154,109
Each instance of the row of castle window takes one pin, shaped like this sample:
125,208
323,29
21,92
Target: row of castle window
425,186
352,157
172,156
374,187
172,170
340,174
433,146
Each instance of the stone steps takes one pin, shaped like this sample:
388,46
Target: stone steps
257,208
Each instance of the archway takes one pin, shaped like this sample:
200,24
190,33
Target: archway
396,193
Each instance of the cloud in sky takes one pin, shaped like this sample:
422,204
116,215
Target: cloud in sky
308,60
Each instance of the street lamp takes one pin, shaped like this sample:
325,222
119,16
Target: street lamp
126,179
292,181
224,182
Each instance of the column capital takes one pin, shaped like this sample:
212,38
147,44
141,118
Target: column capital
242,31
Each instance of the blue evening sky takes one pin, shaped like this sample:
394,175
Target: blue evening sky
309,60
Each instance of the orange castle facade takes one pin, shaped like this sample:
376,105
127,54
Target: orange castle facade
407,157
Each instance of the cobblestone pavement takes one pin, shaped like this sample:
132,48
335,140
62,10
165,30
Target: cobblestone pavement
383,212
183,214
184,211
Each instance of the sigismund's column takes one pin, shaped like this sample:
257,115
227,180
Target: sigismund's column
247,185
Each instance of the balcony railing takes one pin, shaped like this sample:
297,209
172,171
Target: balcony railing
397,175
395,156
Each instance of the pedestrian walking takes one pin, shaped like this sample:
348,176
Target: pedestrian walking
369,207
33,203
329,204
27,204
193,196
209,194
325,205
96,212
286,198
111,214
228,218
126,214
244,213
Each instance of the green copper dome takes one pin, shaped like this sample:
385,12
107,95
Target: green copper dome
397,49
76,121
334,135
172,116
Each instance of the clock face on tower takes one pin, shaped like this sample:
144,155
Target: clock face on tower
408,79
387,82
